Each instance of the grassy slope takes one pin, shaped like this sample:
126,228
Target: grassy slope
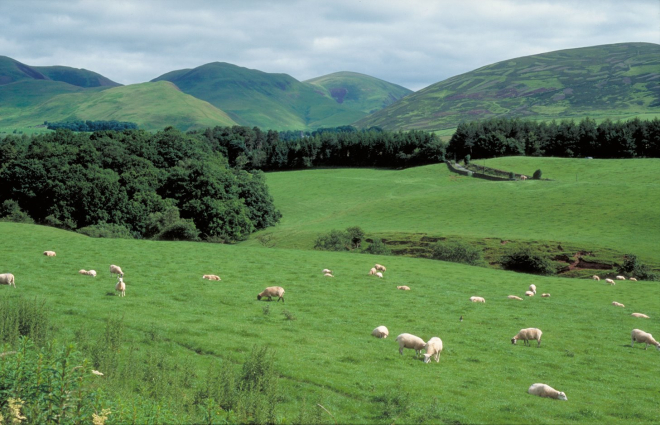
616,81
152,106
327,355
76,76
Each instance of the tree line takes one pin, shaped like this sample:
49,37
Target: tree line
79,125
510,137
166,185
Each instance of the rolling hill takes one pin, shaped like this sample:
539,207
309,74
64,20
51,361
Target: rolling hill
609,81
12,71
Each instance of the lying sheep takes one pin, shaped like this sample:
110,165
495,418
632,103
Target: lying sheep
91,273
514,297
620,278
410,341
529,293
373,271
633,279
545,295
7,279
380,332
610,281
532,288
82,271
49,253
594,277
528,334
327,271
643,316
211,277
121,287
380,268
645,337
116,270
477,299
379,274
616,304
272,291
328,275
433,349
403,288
543,390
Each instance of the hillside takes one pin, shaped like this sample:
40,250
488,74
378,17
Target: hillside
12,71
609,81
151,106
279,101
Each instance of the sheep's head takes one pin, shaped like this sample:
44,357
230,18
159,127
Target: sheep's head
562,396
259,297
513,341
427,357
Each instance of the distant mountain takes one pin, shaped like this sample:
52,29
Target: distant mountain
279,101
608,81
12,71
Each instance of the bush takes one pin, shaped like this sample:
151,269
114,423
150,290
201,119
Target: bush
338,240
10,211
106,230
526,261
467,159
512,175
458,253
537,174
377,247
182,230
23,318
633,268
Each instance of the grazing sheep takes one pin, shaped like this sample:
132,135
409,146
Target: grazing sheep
529,293
620,278
7,279
433,349
121,287
116,270
380,332
328,275
594,277
82,271
523,177
616,304
211,277
49,253
477,299
91,273
272,291
545,295
643,316
373,271
543,390
380,268
327,271
633,279
379,274
528,334
403,288
610,281
532,288
644,337
410,341
514,297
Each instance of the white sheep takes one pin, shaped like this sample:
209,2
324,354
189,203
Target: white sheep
211,277
528,334
380,332
616,304
514,297
373,271
380,268
620,278
379,274
477,299
532,288
644,337
327,271
545,295
328,275
433,349
7,279
82,271
272,291
523,177
410,341
543,390
633,279
116,270
642,315
91,273
529,293
121,287
403,288
594,277
610,281
49,253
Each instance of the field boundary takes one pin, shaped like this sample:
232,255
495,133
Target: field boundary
462,171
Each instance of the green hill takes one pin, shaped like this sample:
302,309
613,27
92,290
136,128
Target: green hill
12,71
279,101
151,106
609,81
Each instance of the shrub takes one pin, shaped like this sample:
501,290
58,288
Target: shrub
537,174
355,234
10,211
336,240
378,247
457,252
106,230
23,318
181,230
632,267
467,159
527,261
512,175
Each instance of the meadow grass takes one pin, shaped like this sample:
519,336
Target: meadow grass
326,355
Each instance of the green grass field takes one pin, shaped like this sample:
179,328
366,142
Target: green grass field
326,355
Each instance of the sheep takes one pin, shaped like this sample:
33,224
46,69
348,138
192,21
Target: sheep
594,277
328,275
523,177
532,288
327,271
477,299
380,332
121,287
433,349
545,295
528,334
620,278
610,281
410,341
529,293
614,303
373,271
403,288
211,277
643,316
514,297
379,274
633,279
7,279
91,273
272,291
116,270
645,337
49,253
380,268
543,390
82,271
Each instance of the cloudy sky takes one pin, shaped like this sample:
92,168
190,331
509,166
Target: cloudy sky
413,43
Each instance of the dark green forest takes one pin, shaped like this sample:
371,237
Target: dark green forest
88,125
